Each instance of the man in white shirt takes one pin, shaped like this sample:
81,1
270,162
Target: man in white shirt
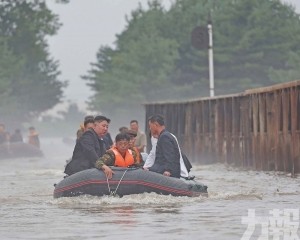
151,156
167,155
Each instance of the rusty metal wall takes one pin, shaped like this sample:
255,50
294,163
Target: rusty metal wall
257,129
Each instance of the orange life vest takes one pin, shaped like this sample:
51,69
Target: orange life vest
120,161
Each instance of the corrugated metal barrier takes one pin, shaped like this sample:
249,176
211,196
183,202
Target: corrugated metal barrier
257,129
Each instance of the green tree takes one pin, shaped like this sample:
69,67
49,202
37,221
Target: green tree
258,38
250,39
30,82
256,43
137,68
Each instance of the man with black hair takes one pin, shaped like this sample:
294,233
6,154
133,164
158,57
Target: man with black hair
132,147
87,123
168,157
89,147
119,155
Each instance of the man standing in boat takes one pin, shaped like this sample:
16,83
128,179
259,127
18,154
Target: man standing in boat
89,147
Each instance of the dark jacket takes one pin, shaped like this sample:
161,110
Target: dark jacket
167,157
108,141
88,149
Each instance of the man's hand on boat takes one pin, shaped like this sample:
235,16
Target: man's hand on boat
108,172
166,173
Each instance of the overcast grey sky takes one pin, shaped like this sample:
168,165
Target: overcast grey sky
87,25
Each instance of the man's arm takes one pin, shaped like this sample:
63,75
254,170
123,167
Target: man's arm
108,159
151,157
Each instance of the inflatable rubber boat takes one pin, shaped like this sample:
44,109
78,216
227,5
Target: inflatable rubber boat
19,150
126,181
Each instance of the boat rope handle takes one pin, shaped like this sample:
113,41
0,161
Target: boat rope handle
108,184
113,193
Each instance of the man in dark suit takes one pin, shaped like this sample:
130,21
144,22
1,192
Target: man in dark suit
167,156
89,147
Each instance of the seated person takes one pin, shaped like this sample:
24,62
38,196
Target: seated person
132,134
16,136
119,156
140,140
185,164
88,123
167,155
151,156
33,137
123,129
89,147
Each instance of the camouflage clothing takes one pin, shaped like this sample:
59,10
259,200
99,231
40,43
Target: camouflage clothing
109,159
138,155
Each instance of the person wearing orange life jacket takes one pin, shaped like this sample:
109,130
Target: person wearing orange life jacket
119,156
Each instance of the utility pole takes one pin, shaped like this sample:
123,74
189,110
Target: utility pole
210,57
202,38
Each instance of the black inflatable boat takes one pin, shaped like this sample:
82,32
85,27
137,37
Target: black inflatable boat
126,181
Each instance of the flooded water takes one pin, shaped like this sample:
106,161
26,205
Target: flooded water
28,210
